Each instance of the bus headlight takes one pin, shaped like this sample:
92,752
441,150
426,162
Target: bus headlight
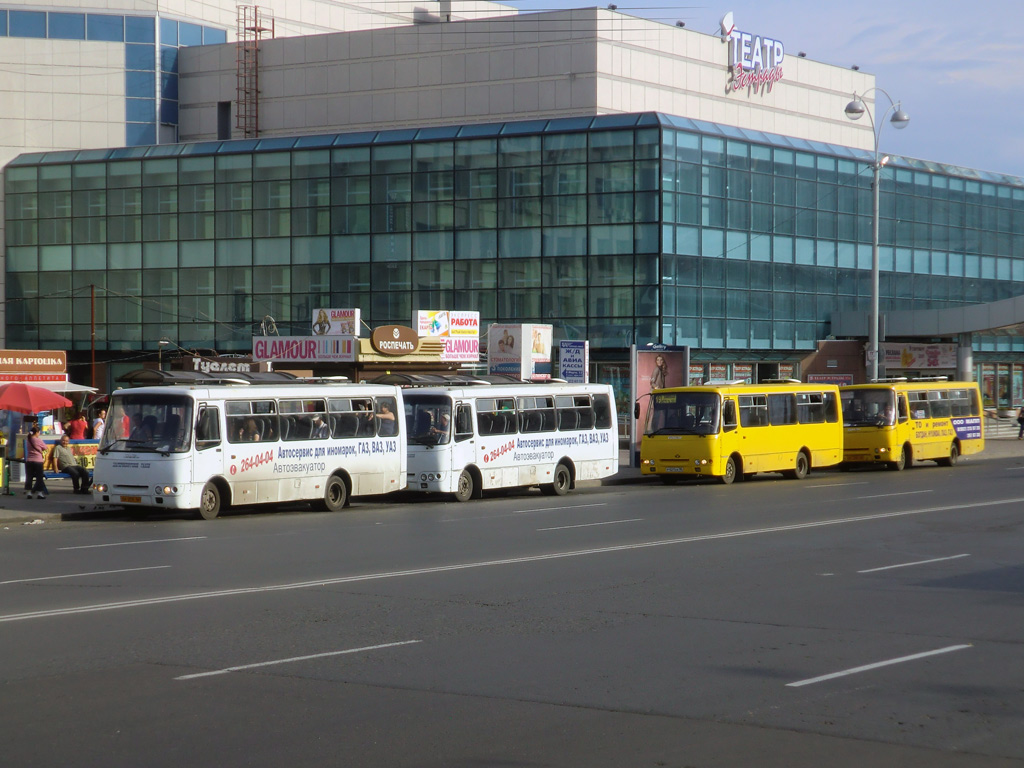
100,487
425,476
166,490
699,462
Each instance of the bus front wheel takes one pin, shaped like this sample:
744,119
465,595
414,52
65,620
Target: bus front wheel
209,502
729,475
561,484
951,460
335,496
464,492
901,463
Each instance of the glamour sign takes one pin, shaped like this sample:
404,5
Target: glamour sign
754,60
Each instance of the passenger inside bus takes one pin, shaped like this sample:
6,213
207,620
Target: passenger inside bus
386,420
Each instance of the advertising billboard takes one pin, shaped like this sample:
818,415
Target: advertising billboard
574,361
336,322
658,367
521,350
459,330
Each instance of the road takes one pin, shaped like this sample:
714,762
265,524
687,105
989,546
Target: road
851,619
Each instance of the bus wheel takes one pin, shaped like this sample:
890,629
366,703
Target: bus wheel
465,490
562,482
803,466
209,502
729,475
900,464
335,496
954,456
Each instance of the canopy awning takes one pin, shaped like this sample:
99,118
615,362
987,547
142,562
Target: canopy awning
61,386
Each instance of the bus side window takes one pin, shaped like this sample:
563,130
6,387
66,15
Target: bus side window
208,428
463,423
903,413
729,416
602,412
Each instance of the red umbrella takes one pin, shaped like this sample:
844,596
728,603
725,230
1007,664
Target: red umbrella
24,398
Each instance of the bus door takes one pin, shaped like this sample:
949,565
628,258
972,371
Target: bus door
209,457
464,442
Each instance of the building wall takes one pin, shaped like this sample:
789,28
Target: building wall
58,93
554,64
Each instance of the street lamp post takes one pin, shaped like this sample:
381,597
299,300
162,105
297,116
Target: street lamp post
160,356
855,110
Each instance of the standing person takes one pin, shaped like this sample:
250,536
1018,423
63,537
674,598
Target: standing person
1020,421
66,464
76,427
35,449
97,425
660,373
385,419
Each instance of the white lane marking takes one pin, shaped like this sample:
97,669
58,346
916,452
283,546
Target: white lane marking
90,573
876,665
836,485
887,495
295,658
514,513
127,543
907,565
588,525
491,563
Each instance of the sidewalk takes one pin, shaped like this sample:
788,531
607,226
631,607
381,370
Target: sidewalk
62,504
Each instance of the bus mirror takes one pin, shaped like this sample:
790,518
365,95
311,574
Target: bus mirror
636,410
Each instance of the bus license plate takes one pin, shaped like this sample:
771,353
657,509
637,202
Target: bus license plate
673,469
131,499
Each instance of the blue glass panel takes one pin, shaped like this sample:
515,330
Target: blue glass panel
28,24
168,58
139,29
3,23
169,111
444,132
202,148
140,134
568,124
102,26
213,36
140,110
190,34
67,26
92,155
649,118
283,143
168,32
705,127
350,139
139,85
613,121
526,126
731,132
397,136
140,56
241,145
313,141
169,86
472,131
681,122
127,153
164,150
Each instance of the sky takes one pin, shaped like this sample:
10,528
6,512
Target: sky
957,68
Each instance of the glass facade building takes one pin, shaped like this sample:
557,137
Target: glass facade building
620,229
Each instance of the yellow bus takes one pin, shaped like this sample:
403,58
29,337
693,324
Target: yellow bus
736,430
898,422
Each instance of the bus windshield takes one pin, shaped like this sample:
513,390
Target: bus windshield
148,422
428,418
683,413
868,407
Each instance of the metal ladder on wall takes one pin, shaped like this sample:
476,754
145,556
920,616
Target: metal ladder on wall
254,26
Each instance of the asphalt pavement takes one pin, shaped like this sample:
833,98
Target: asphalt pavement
63,504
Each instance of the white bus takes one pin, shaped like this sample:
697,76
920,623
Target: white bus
206,447
466,439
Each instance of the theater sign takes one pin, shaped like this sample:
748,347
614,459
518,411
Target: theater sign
755,60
